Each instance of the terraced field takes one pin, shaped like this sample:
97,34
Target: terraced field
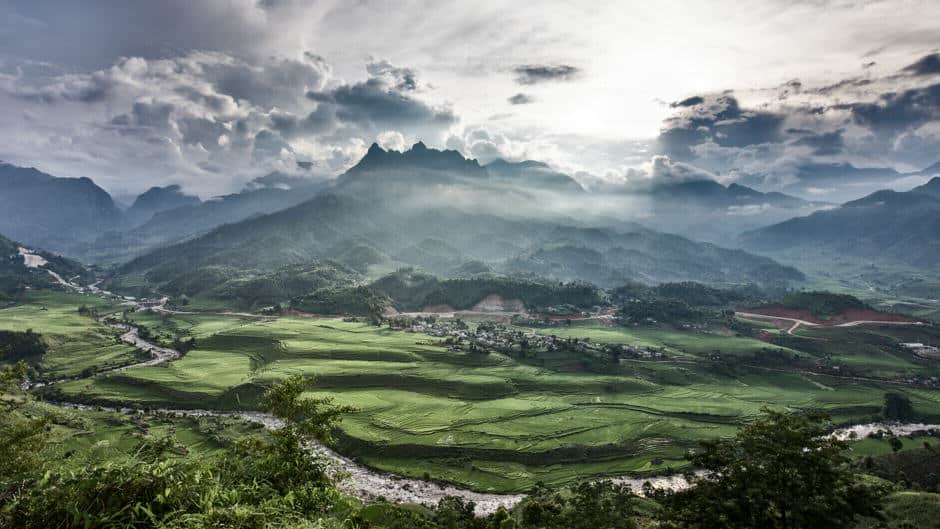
75,343
491,422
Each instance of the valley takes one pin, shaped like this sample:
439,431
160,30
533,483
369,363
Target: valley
480,353
498,419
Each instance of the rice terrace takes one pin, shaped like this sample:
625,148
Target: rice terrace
297,264
495,420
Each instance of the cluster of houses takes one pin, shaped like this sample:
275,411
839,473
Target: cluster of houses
489,336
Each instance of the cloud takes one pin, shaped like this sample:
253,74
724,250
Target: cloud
719,119
391,140
211,118
661,170
528,74
822,144
72,34
853,135
926,65
404,79
376,105
521,99
688,102
895,112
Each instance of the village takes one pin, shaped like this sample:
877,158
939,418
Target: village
486,337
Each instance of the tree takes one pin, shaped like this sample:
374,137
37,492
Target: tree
779,472
456,513
283,460
590,505
897,407
896,444
22,436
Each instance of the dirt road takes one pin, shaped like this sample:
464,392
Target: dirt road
797,322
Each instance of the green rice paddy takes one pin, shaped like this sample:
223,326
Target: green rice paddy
492,422
75,343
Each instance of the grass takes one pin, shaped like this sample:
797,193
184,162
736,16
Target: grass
76,343
907,509
676,341
83,437
490,422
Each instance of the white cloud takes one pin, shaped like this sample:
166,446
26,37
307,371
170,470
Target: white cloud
391,140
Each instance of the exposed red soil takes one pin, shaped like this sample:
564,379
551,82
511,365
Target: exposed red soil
846,317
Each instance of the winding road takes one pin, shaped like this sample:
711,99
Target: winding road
362,482
797,322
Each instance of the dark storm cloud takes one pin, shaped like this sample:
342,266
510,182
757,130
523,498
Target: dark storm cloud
376,104
893,113
718,119
320,120
521,99
51,30
271,83
926,65
824,144
688,102
538,73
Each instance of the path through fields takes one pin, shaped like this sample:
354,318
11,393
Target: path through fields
370,485
797,322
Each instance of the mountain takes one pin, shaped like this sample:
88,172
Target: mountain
22,268
710,211
533,175
708,194
264,195
931,171
156,200
411,206
885,226
831,182
50,212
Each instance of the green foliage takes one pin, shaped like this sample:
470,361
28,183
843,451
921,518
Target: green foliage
22,436
659,311
589,505
242,288
918,467
357,300
16,346
897,407
822,304
308,419
700,295
272,483
779,472
413,290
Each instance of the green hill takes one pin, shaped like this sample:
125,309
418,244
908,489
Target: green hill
369,215
887,227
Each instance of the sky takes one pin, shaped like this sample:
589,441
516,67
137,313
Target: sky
212,94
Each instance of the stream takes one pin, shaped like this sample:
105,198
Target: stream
357,480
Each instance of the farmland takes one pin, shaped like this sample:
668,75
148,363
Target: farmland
497,422
76,343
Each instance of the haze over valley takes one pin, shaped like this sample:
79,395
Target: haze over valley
447,266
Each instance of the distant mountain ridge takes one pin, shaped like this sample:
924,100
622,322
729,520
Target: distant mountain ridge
51,212
76,217
156,200
885,226
372,211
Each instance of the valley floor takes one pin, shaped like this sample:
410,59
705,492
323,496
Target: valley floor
491,422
